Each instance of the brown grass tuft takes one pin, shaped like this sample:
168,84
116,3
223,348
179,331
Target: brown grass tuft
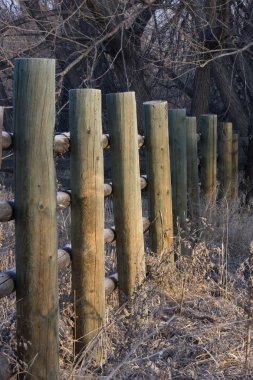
186,322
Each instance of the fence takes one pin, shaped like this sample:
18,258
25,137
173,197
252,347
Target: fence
35,202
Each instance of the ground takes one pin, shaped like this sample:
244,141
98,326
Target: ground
189,321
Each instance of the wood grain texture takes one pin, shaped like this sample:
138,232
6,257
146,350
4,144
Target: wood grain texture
158,173
35,217
208,143
121,108
177,136
234,180
87,215
1,133
224,161
192,168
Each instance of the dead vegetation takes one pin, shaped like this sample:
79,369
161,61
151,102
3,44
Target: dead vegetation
188,322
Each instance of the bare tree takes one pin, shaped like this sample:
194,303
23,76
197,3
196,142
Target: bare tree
193,53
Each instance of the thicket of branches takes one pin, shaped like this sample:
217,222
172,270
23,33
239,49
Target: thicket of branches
194,53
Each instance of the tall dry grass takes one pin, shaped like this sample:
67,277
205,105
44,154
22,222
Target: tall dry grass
191,321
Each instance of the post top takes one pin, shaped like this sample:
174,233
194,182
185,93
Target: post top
154,102
121,93
84,90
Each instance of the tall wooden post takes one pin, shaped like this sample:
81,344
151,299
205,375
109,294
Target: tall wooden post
208,130
87,215
192,168
1,130
225,132
158,172
122,122
177,133
234,180
35,217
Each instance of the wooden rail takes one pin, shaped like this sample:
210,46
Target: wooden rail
8,277
62,141
63,200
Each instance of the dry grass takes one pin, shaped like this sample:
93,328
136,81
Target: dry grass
187,322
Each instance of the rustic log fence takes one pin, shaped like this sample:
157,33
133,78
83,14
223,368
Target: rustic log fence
172,176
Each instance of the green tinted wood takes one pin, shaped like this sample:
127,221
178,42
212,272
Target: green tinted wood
87,215
122,123
158,173
35,217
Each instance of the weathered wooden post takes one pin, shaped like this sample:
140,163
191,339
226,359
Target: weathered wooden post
177,135
208,131
158,172
192,168
1,136
234,180
35,218
87,215
225,132
122,122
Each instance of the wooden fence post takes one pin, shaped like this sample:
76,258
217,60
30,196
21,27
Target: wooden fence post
158,173
225,132
192,168
177,135
35,218
208,130
234,180
1,134
122,122
87,215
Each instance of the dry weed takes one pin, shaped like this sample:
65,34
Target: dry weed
186,322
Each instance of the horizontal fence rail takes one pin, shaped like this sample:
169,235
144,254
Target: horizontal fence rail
7,278
62,142
63,200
